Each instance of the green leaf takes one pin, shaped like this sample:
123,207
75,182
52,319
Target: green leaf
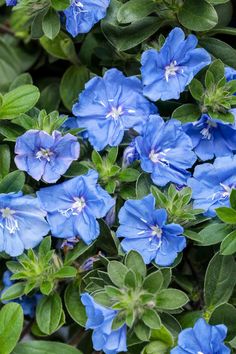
233,199
66,272
11,324
22,79
228,245
127,37
153,282
225,314
74,305
220,280
5,160
130,279
164,335
13,182
151,319
77,251
75,77
51,24
54,47
134,261
188,112
19,100
227,215
217,70
156,347
171,299
60,5
196,88
219,49
128,175
213,234
117,272
197,16
143,185
13,292
44,347
48,313
142,331
134,10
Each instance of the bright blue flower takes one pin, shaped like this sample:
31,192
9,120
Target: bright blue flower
11,2
28,303
130,154
82,15
111,105
22,223
73,207
144,230
45,156
212,137
165,151
100,321
202,339
166,73
230,73
212,184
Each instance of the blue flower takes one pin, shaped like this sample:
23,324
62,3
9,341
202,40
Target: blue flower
82,15
22,223
111,105
45,156
11,2
212,184
28,303
165,151
166,73
230,73
73,207
202,339
100,321
212,137
144,229
130,154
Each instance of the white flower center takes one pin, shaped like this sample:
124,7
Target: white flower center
159,157
156,231
11,223
44,154
207,132
172,69
227,190
76,208
115,113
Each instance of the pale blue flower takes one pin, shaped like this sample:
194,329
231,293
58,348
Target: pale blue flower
202,339
100,320
73,207
111,105
22,223
144,230
167,72
45,156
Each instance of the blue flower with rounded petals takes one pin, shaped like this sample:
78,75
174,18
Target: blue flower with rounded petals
167,72
145,230
11,2
165,151
111,105
28,303
22,223
45,156
100,321
202,339
73,207
230,73
82,15
212,184
212,137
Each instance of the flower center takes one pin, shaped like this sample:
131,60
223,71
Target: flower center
76,208
158,157
44,154
11,223
227,190
171,70
207,132
156,231
115,113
